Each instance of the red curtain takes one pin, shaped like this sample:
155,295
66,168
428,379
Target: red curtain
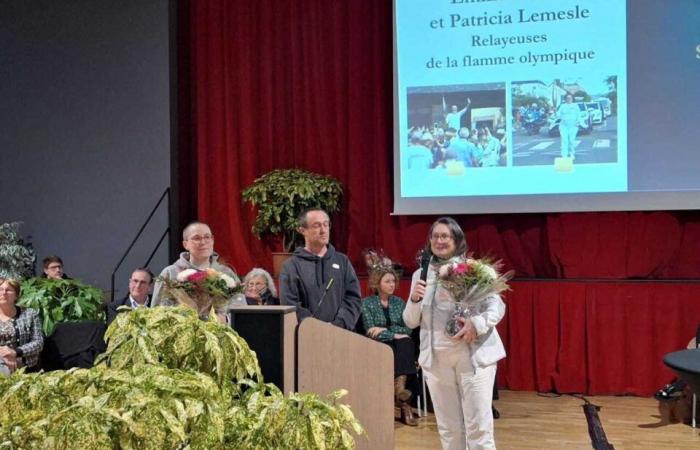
595,338
268,84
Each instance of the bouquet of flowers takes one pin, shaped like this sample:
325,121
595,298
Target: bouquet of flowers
377,261
470,281
201,290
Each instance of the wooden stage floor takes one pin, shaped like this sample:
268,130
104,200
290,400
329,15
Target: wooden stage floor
530,421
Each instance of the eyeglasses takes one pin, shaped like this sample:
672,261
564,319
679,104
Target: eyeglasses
440,237
319,225
199,239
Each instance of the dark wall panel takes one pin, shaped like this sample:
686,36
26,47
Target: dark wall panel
84,129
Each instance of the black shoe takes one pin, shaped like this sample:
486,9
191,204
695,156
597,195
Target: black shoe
670,391
495,412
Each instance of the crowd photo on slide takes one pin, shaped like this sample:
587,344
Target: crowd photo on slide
450,126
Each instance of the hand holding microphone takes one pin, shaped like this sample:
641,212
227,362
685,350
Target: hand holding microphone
418,291
419,288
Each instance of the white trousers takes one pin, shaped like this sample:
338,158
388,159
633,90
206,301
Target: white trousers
568,140
462,399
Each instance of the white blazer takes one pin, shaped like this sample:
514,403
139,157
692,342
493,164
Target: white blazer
485,350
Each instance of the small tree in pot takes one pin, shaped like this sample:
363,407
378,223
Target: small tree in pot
281,195
16,256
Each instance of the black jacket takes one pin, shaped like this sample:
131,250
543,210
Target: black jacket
266,297
305,282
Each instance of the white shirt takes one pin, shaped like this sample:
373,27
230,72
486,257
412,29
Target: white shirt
454,119
569,114
135,304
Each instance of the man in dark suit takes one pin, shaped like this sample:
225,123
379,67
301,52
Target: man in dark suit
140,285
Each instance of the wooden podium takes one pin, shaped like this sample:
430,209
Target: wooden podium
319,357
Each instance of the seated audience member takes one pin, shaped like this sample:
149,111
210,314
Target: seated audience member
260,288
53,268
21,340
198,240
140,285
382,317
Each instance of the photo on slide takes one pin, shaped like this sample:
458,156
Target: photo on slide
454,128
571,118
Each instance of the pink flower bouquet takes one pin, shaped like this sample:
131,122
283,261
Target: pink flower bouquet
470,281
201,290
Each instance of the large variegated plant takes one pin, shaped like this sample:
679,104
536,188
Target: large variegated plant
267,419
167,381
177,338
145,407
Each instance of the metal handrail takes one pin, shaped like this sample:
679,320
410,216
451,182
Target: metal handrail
166,194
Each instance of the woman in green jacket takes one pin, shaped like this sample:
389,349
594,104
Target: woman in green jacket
382,317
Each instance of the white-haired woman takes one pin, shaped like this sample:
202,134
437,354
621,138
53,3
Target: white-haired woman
260,288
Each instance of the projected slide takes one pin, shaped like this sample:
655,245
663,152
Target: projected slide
511,98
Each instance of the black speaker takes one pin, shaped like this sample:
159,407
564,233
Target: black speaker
73,344
263,330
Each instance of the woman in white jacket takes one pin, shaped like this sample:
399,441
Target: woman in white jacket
568,114
460,370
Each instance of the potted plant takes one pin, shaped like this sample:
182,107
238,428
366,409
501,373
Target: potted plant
169,381
61,301
281,195
16,256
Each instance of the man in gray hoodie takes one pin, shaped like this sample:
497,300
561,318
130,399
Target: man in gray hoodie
317,279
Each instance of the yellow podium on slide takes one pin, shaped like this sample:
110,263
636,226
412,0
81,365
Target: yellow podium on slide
454,168
563,164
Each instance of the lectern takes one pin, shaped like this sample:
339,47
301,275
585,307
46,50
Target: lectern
269,331
318,357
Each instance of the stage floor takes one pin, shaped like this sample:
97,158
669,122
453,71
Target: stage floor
532,421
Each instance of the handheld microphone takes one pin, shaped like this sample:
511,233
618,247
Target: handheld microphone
323,297
425,257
